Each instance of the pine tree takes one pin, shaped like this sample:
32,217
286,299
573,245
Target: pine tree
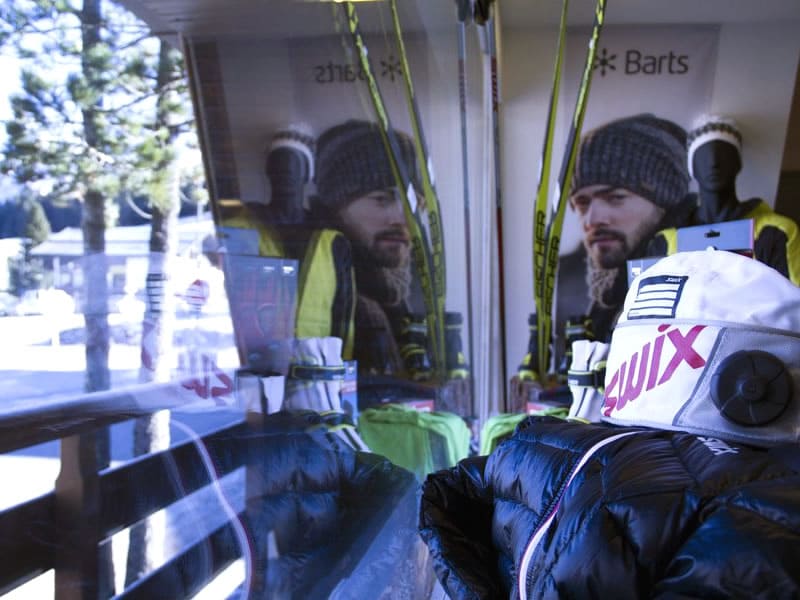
68,127
151,433
36,227
102,107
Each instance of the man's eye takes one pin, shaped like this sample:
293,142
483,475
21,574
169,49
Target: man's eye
380,198
580,203
617,198
386,199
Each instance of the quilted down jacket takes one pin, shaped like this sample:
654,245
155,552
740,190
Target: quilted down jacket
571,510
327,521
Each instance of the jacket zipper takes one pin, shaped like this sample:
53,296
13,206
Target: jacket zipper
541,530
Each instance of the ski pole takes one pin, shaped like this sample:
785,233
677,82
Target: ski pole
464,11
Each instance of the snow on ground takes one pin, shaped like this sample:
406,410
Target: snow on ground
37,367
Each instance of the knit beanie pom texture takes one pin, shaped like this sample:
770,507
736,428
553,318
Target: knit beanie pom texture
643,154
352,161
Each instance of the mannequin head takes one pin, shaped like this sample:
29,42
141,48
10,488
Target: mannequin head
289,166
715,165
287,169
715,153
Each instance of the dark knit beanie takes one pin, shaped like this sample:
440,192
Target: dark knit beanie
643,154
352,161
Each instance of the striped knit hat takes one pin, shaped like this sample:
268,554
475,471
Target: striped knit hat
642,153
709,128
352,161
297,137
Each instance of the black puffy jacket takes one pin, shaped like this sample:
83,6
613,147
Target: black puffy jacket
326,521
612,512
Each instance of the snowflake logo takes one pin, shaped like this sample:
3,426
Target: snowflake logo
391,67
605,62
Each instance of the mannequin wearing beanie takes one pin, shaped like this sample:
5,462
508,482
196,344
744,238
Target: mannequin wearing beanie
324,302
356,194
714,159
714,163
289,168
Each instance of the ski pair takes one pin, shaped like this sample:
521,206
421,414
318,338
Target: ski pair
423,218
547,232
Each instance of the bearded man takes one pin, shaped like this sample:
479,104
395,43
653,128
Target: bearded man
357,194
630,181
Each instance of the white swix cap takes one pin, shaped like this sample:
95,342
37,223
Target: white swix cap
708,342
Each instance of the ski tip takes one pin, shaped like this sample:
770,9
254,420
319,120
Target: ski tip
482,11
465,10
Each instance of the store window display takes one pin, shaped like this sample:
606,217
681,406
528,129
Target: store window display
685,482
714,159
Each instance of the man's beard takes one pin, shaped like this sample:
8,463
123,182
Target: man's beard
603,270
608,258
398,282
614,258
386,279
394,255
600,283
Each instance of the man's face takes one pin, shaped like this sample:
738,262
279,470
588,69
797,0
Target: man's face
376,222
614,221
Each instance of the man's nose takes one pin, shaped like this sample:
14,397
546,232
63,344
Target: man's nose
395,213
596,214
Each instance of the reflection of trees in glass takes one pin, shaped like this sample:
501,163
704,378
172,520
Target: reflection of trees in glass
26,273
69,126
101,107
24,217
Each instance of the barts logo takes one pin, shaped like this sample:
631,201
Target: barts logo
637,62
389,68
628,382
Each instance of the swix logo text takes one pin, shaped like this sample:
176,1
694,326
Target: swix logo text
718,447
643,369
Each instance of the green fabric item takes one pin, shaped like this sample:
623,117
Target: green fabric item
422,442
501,426
496,429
